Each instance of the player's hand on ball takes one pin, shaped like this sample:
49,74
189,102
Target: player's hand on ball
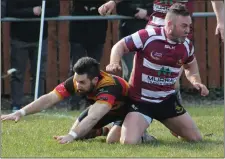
202,88
113,68
64,139
13,116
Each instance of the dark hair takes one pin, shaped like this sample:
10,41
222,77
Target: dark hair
87,65
178,9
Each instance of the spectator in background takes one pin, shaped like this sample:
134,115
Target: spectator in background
87,38
3,8
24,44
141,10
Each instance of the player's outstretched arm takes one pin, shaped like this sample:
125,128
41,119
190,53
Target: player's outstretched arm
95,113
192,74
41,103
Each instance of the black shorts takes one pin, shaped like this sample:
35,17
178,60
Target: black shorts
169,108
117,116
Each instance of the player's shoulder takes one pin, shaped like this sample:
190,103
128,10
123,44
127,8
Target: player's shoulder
155,31
69,84
149,31
189,46
105,80
188,42
69,80
111,83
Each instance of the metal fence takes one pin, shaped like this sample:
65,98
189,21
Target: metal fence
108,17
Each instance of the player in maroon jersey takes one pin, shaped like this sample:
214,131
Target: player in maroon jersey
160,54
157,19
161,6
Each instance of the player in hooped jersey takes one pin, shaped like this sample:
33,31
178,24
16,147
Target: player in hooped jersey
107,94
160,54
157,19
160,8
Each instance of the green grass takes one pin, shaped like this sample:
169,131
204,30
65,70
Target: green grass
33,135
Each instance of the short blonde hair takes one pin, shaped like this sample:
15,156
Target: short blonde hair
175,10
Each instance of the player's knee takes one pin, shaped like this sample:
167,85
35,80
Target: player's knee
129,141
110,140
114,134
195,138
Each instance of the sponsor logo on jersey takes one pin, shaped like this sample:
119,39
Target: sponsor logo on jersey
169,47
103,90
103,98
163,9
161,81
160,8
156,55
164,71
179,109
134,107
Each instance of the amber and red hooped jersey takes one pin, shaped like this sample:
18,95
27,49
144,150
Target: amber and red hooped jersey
110,89
157,64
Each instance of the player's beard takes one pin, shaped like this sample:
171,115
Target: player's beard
91,88
176,38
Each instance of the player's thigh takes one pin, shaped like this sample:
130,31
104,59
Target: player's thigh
133,128
183,126
114,134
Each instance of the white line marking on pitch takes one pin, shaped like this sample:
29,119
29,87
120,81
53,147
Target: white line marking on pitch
58,115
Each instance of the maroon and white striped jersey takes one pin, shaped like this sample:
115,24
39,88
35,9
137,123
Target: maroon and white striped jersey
160,8
157,64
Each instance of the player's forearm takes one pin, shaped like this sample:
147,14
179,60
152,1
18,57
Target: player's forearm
41,103
193,77
84,126
95,113
117,52
218,7
75,124
192,72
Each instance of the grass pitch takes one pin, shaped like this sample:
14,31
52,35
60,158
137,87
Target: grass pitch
33,135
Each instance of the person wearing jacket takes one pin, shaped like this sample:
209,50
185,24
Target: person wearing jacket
87,37
25,42
141,10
